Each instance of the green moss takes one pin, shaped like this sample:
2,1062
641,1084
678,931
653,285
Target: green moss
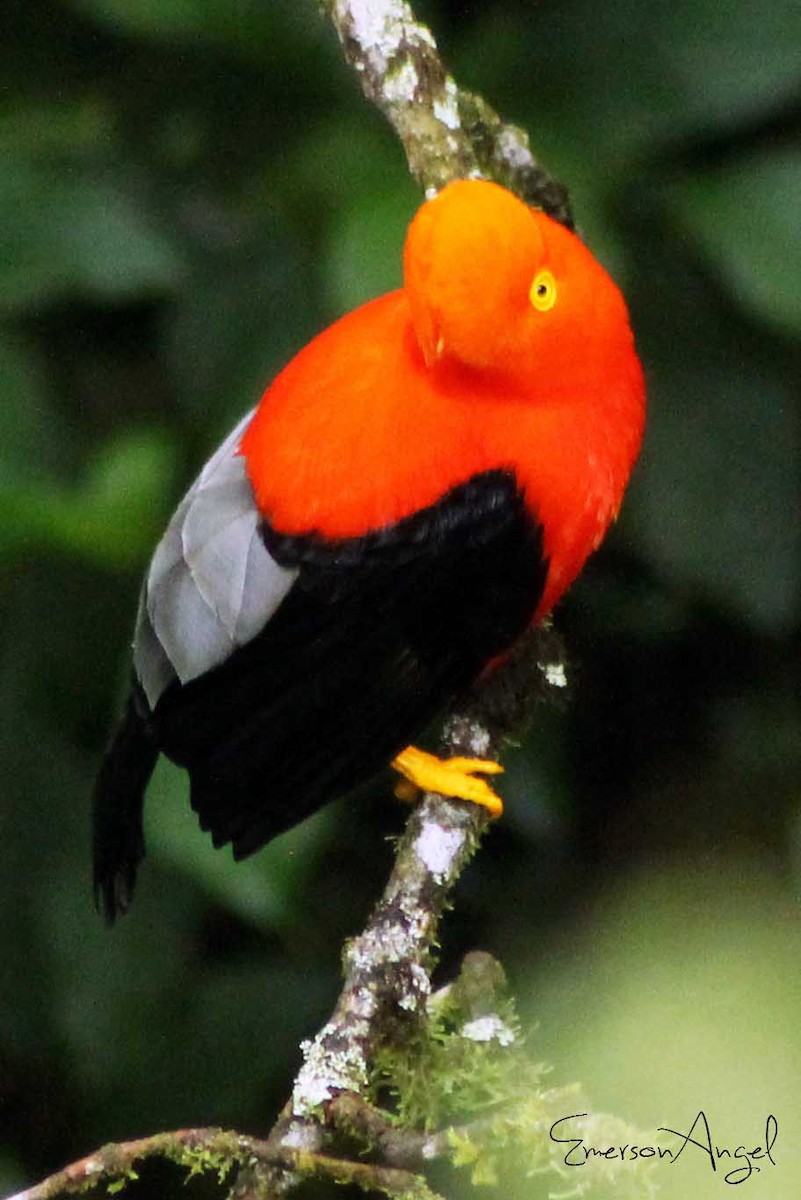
220,1162
117,1185
444,1077
471,1073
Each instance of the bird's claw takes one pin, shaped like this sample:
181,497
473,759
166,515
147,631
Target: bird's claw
458,777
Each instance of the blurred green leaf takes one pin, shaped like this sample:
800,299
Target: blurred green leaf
249,25
26,424
161,16
682,995
242,317
262,890
744,217
112,519
245,1021
625,76
45,127
343,158
366,245
65,231
11,1174
716,499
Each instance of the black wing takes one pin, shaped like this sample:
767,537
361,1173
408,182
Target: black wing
375,637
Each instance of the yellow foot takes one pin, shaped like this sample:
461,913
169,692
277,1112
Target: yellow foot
450,777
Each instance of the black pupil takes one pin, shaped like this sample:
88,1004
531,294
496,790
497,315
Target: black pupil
542,290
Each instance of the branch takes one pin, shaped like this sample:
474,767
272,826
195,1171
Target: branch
387,967
447,133
116,1161
221,1150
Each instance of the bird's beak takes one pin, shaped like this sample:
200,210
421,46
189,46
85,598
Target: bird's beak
426,324
432,352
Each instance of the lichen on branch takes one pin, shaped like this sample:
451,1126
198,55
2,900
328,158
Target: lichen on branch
447,132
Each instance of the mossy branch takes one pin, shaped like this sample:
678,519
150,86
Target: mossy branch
465,1091
220,1152
447,132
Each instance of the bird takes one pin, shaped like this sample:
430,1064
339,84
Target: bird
414,491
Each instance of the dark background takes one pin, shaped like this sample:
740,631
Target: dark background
189,189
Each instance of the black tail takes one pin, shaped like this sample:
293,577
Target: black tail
119,844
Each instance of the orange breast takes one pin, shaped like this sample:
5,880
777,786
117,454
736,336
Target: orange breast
354,433
357,432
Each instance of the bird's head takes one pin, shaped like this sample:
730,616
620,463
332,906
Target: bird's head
493,284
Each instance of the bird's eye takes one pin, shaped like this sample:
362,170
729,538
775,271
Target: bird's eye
543,291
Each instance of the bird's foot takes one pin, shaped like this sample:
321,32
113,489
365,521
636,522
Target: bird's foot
449,777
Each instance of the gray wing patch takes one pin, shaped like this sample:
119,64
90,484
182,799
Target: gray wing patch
211,586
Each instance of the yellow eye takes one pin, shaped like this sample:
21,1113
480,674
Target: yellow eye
543,291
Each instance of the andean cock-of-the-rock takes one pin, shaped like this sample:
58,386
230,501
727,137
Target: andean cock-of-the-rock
418,486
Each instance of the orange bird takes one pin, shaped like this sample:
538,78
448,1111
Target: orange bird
416,488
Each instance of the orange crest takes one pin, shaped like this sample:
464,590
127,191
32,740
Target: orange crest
466,271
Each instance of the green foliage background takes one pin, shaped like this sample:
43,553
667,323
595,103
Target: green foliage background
189,189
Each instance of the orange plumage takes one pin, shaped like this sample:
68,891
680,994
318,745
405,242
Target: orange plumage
416,487
454,374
